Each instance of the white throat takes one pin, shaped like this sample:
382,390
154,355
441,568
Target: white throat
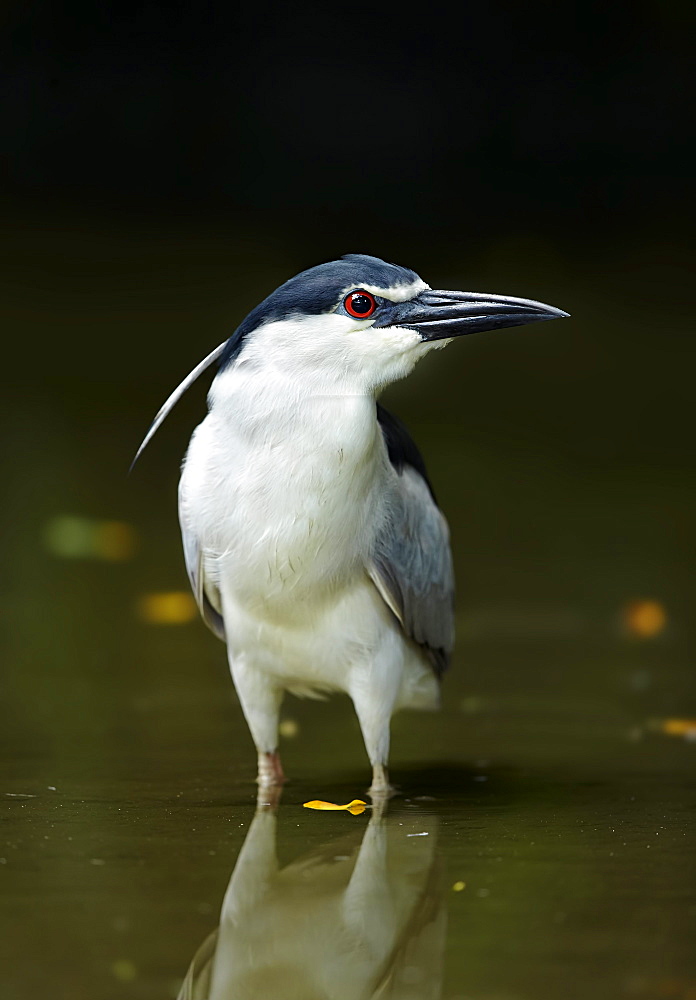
326,355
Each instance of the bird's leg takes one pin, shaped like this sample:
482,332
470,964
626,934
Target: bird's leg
270,769
374,695
380,787
260,698
268,795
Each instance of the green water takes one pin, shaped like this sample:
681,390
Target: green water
542,845
574,840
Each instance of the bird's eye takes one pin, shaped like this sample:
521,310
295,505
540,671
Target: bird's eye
360,304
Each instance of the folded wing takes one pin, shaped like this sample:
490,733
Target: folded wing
204,590
411,564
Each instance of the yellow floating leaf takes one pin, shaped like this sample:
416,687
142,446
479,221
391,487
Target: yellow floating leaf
644,619
355,807
458,886
679,727
175,607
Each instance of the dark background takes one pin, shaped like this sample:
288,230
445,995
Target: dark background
164,166
368,123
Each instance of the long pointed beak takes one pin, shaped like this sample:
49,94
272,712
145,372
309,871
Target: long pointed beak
438,315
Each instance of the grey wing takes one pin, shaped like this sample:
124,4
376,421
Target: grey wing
411,564
204,590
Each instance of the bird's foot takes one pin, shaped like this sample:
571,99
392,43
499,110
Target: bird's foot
268,798
270,770
380,789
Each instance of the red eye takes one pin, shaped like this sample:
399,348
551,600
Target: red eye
360,304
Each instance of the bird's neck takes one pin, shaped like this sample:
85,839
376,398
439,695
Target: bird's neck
267,406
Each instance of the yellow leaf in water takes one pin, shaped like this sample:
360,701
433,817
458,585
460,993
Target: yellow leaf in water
644,619
679,727
355,807
173,607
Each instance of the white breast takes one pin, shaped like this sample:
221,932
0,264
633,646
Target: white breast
285,490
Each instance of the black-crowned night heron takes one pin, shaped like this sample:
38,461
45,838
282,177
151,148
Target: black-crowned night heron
313,542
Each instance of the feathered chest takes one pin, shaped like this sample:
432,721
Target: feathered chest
286,501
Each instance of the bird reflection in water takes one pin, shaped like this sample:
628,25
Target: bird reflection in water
359,918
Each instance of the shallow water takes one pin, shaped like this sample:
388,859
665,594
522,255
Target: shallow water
560,865
542,844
